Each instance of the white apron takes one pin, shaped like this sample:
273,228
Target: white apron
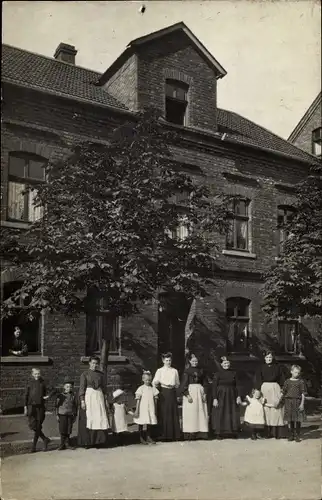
96,417
195,414
272,393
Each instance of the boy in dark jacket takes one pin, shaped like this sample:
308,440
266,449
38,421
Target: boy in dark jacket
66,411
35,397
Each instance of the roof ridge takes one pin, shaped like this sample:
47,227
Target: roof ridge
51,58
305,117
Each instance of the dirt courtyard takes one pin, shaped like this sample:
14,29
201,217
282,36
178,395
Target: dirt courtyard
216,470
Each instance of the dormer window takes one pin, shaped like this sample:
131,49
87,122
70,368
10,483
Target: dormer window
176,102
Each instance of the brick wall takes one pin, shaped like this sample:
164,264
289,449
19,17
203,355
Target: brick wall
304,140
123,84
48,126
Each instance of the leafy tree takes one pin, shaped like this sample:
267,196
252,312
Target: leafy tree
109,228
293,286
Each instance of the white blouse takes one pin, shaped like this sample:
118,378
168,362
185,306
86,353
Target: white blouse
166,376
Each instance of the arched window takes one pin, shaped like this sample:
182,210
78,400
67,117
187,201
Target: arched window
25,170
237,314
176,102
30,327
284,218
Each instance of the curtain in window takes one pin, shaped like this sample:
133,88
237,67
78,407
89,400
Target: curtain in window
16,201
34,213
241,230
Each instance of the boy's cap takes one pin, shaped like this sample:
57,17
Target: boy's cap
68,380
117,393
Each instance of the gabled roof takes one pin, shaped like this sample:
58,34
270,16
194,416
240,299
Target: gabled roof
305,118
46,73
219,71
247,132
49,75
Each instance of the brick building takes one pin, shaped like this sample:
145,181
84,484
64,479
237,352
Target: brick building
307,134
51,103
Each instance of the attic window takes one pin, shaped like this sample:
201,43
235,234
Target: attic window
317,141
176,102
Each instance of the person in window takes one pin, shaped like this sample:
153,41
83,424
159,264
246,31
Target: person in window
166,380
226,399
269,379
18,346
93,422
194,403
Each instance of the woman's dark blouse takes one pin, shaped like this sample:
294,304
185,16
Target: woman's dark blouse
191,375
93,379
269,373
225,379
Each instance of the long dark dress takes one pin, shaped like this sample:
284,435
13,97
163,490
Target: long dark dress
225,418
195,414
167,382
87,437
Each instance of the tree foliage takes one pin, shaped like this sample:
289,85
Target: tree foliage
293,286
108,214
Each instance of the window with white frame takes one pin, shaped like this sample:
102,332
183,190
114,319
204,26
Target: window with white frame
288,337
238,234
176,102
284,218
30,325
100,324
317,141
237,314
26,171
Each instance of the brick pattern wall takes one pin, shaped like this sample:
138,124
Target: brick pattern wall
48,126
304,140
123,84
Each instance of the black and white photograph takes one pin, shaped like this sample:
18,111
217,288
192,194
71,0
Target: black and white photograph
161,250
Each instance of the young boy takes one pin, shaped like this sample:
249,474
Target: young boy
66,411
35,397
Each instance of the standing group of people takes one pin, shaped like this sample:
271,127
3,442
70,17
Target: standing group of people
205,409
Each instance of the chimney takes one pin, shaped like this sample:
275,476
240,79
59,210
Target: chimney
65,53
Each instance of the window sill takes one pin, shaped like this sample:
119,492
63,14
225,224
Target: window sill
15,225
238,253
112,359
25,360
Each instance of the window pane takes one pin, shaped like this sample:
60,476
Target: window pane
17,166
34,213
287,336
93,334
16,201
238,336
230,235
242,308
241,207
230,308
36,170
175,111
241,233
317,148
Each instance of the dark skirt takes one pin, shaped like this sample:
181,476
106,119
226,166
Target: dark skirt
225,419
193,436
168,415
87,437
291,410
65,424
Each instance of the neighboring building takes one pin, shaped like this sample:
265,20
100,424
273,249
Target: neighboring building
49,104
307,134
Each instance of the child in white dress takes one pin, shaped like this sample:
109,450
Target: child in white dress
120,411
254,414
145,412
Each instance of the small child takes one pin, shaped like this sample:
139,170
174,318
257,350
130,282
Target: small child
145,412
293,396
66,411
119,421
254,414
34,409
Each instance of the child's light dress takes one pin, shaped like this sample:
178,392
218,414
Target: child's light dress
254,413
119,418
146,395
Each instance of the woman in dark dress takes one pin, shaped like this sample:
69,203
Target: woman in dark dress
93,422
194,403
269,379
226,400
